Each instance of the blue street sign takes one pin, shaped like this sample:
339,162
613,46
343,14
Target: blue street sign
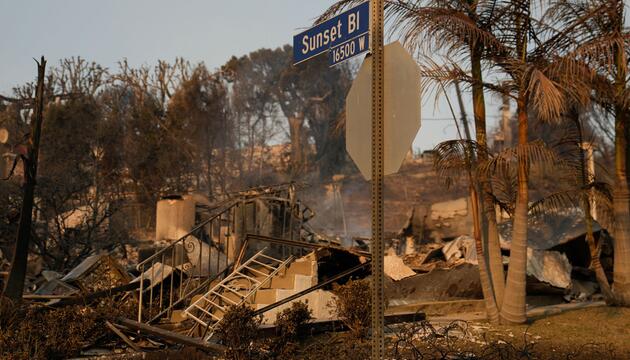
352,24
349,49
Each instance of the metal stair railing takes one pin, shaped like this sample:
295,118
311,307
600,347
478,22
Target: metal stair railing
186,277
173,263
234,290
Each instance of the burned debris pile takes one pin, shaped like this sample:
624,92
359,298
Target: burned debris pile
558,261
253,249
255,253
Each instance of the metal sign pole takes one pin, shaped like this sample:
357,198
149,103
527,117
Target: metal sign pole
378,306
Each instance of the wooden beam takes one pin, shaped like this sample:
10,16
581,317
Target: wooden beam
172,336
124,337
45,297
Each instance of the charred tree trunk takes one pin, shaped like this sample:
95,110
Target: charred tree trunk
296,129
17,274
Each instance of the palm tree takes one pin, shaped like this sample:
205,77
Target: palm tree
460,28
572,170
539,80
598,38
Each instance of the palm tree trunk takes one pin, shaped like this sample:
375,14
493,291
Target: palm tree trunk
621,209
490,235
17,275
462,111
513,309
621,194
486,286
594,249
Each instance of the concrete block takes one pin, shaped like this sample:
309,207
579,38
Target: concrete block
265,296
318,301
302,282
304,267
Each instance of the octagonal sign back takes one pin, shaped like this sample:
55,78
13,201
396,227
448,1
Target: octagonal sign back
401,111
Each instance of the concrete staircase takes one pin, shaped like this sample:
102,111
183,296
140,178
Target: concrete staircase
297,275
300,275
239,287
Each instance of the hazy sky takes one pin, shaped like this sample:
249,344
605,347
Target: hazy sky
143,31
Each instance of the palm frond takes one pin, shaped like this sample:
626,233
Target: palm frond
536,155
444,25
504,190
508,207
454,158
337,8
602,197
546,97
555,203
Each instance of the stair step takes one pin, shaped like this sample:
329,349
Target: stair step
306,267
299,282
236,288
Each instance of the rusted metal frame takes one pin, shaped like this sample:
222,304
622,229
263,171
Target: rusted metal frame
377,243
304,244
274,240
230,231
209,253
198,242
162,281
170,293
151,289
140,294
220,223
312,288
284,222
241,253
180,288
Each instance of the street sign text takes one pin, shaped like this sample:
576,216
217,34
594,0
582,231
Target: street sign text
343,29
349,49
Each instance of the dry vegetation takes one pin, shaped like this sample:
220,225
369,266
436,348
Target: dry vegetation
36,332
